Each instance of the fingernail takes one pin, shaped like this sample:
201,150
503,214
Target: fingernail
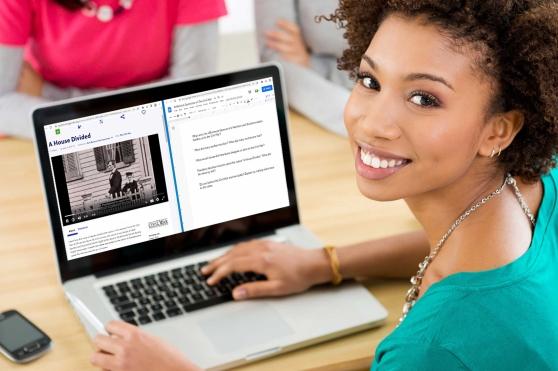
204,269
239,294
210,281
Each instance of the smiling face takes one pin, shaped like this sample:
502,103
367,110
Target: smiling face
416,115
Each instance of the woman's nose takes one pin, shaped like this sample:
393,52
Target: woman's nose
380,117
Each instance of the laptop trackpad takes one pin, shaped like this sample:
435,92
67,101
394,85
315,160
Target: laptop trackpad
240,329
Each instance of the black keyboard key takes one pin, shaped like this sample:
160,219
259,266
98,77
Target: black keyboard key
156,307
149,291
135,294
127,315
206,303
158,297
117,300
111,294
136,281
144,301
144,320
158,316
124,307
170,303
150,280
124,289
172,312
184,300
132,322
171,294
108,288
142,311
197,296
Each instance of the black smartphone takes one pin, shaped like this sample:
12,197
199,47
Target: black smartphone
20,340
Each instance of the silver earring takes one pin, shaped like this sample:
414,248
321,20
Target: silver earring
492,153
499,151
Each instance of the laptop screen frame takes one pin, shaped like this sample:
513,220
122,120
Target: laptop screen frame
182,243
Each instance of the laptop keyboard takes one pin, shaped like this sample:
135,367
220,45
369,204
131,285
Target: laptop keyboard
156,297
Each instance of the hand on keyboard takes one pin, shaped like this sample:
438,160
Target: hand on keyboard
289,269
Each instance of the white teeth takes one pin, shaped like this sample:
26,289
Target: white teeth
376,162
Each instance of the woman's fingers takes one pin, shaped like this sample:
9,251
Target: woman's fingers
242,249
240,264
107,344
257,289
279,36
104,361
288,26
120,328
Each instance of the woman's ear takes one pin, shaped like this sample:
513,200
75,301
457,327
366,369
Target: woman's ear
500,131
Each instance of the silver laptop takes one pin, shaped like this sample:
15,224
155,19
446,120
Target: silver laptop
145,185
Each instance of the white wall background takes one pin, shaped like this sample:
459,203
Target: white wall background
237,44
240,17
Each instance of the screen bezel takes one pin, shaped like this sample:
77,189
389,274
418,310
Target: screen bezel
184,243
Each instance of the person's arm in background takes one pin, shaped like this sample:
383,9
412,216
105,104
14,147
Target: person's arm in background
194,52
315,87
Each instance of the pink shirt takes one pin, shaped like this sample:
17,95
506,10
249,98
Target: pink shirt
72,50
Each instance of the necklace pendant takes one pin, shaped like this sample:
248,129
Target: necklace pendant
415,280
407,307
105,13
412,294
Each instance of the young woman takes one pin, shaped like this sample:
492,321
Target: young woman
55,49
455,110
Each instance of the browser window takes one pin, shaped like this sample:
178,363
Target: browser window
149,171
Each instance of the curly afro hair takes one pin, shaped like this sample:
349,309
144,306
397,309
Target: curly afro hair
517,42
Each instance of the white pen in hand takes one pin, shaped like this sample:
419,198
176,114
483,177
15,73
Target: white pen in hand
86,314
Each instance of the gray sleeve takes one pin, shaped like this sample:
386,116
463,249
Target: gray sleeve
319,92
15,108
194,50
316,98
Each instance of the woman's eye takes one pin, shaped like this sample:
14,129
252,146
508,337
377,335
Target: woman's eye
368,81
424,100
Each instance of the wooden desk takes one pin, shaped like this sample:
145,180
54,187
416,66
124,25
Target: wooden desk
331,207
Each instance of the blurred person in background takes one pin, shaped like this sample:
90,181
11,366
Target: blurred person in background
288,32
57,49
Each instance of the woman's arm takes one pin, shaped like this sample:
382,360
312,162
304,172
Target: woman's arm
14,107
390,257
290,269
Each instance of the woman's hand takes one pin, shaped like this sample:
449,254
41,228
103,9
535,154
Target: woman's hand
129,349
288,269
30,82
288,41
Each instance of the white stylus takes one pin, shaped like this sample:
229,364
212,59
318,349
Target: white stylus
87,314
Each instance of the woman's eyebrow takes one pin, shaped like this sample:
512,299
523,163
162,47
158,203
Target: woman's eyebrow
412,76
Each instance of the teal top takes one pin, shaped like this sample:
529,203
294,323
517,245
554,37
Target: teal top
499,319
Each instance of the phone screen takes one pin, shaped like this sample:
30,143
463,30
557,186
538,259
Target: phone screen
16,332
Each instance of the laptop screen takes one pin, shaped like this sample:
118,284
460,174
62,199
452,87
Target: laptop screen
143,172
